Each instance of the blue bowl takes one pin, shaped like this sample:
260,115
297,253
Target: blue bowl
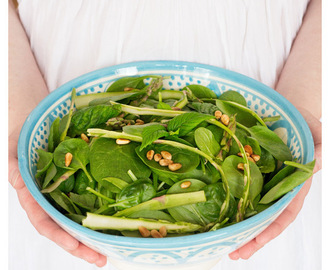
200,251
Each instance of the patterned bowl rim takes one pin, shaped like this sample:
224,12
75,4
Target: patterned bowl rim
165,243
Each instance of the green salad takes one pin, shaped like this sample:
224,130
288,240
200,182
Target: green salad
139,160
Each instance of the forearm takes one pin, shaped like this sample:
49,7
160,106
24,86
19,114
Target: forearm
300,80
26,84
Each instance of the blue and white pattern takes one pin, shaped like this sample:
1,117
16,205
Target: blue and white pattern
175,251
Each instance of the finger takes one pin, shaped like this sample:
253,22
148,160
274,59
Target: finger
85,253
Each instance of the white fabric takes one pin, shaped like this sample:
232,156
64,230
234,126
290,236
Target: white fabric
70,38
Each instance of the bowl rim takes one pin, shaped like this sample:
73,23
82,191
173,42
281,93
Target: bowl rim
153,243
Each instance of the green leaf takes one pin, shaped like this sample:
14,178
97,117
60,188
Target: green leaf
241,115
266,163
64,202
288,183
236,179
86,201
234,96
201,91
205,108
206,142
271,142
108,159
286,171
54,135
50,174
151,134
82,182
136,192
152,214
188,160
131,82
79,150
44,161
91,117
184,123
66,121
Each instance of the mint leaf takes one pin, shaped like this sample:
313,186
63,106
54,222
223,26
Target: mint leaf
187,122
151,134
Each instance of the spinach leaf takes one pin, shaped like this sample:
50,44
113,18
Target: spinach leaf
108,159
188,160
236,179
266,163
184,123
286,171
50,174
201,91
92,116
151,134
67,185
234,96
82,182
54,135
206,108
44,161
163,106
131,82
64,202
136,129
217,132
86,201
136,193
288,183
80,154
66,120
271,142
206,142
114,184
241,115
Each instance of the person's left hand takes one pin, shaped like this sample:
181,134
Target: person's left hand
291,212
40,219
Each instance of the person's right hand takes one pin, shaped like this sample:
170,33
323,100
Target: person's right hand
39,218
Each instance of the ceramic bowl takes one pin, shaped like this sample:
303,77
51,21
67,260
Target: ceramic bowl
200,251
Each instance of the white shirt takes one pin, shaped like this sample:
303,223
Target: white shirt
253,37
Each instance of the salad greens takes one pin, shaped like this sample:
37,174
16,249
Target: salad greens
139,158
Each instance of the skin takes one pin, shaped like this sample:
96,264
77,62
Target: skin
301,73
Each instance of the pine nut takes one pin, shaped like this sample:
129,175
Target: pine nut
251,159
248,149
166,155
157,157
175,166
128,89
176,109
150,154
256,158
144,231
84,137
155,234
163,231
185,184
122,141
217,114
165,162
139,122
68,159
241,155
240,166
225,119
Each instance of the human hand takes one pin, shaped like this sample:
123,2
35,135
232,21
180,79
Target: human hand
291,212
39,218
